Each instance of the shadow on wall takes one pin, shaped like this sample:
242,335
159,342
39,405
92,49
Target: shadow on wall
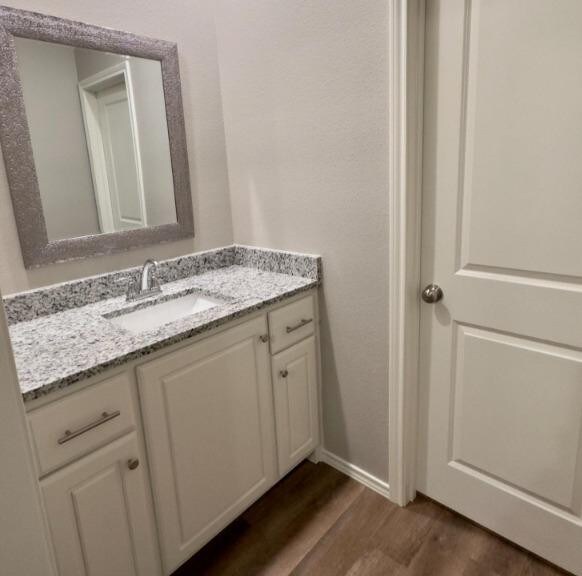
333,414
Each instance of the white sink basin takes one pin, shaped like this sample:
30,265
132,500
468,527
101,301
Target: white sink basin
157,315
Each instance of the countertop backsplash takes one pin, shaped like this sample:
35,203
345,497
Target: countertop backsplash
25,306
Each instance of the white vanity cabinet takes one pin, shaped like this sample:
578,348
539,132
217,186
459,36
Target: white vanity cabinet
296,407
223,417
208,416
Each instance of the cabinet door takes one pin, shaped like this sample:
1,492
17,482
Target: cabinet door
208,415
99,514
296,406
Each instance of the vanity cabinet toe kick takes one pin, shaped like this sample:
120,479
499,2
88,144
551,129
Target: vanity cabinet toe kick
143,467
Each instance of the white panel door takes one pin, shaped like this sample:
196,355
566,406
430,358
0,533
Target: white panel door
501,353
99,514
208,416
296,412
122,158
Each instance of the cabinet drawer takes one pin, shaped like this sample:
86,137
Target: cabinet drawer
73,426
291,323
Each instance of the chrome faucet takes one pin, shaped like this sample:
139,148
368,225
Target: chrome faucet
148,284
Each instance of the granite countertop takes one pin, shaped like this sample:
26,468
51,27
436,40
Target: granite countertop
56,349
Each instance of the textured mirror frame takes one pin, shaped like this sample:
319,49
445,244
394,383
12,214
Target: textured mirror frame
37,250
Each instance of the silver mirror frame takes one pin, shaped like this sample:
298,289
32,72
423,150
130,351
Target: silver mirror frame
37,249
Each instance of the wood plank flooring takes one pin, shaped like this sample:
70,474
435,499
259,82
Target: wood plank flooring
318,522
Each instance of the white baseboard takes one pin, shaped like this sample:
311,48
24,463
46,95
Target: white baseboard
356,473
315,456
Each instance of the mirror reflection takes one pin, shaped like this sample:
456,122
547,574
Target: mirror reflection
99,136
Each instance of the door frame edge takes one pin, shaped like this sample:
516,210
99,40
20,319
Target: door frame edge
405,56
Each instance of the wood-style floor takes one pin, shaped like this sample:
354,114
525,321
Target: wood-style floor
318,522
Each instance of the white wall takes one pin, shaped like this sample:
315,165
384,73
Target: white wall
50,85
24,549
153,140
90,62
190,24
304,99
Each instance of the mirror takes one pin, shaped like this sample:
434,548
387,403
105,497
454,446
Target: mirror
93,137
99,137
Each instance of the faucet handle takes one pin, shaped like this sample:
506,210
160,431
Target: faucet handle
154,277
132,288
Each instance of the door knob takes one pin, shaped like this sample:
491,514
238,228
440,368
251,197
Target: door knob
432,294
132,463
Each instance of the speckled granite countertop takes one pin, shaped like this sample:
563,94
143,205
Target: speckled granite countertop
57,349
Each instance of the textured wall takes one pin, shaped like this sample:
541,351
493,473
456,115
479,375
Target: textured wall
23,545
304,100
190,24
153,140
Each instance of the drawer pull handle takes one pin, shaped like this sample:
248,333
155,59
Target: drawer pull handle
70,434
300,324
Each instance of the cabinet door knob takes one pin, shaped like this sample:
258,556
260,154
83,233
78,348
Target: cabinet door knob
284,373
132,463
264,338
